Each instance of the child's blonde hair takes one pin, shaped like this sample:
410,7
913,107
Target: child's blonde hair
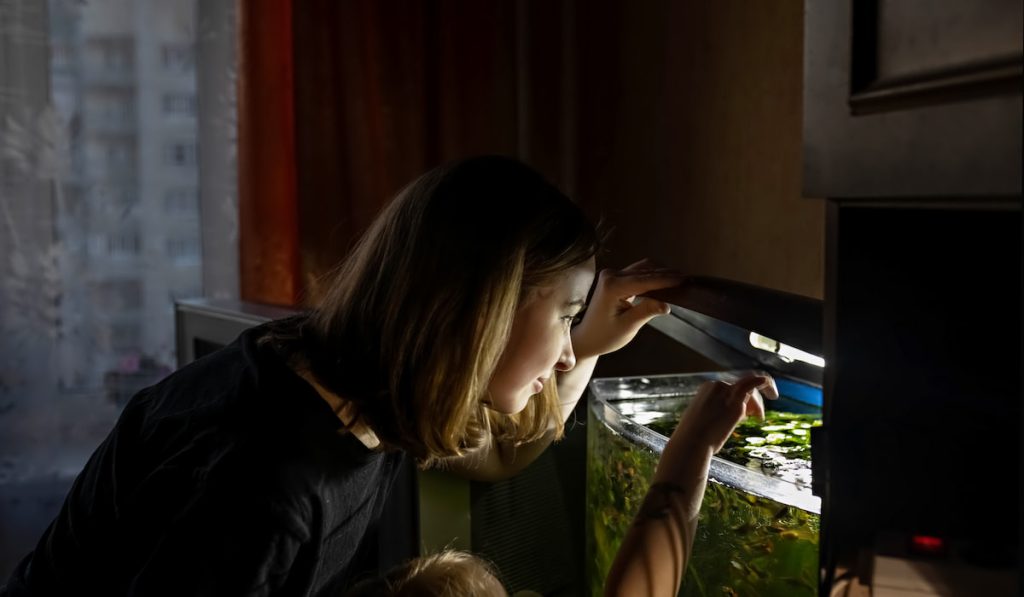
450,573
412,326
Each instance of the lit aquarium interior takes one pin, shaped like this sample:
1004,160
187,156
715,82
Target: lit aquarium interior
758,528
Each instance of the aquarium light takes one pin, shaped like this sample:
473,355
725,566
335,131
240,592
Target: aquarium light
785,352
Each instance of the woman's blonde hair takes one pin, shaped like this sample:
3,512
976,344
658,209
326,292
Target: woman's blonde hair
449,573
415,319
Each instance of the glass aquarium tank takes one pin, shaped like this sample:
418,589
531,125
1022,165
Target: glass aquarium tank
758,529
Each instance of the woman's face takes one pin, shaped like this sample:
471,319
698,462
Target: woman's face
539,343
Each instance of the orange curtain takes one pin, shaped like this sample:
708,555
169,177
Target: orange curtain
362,111
268,208
385,91
343,103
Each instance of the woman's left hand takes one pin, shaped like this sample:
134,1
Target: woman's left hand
616,311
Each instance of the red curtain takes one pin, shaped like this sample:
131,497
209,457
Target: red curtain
268,210
343,103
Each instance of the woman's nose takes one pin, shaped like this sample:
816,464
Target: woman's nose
566,360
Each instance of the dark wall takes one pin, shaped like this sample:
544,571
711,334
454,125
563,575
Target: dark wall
689,138
688,146
676,123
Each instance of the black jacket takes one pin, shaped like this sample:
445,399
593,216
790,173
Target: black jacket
230,477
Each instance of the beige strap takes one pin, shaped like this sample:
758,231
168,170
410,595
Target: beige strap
345,411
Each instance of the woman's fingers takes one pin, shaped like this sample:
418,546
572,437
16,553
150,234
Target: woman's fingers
643,309
624,284
769,390
754,406
745,385
719,406
751,391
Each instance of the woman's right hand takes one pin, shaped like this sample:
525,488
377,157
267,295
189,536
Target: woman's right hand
719,406
710,418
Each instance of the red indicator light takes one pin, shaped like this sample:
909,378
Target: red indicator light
925,544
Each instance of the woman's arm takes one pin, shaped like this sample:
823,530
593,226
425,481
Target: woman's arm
653,555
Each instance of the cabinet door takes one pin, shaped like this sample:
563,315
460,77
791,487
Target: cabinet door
912,98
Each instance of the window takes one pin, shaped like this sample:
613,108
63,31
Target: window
114,195
181,201
181,154
190,292
119,295
125,244
87,156
178,57
179,104
118,108
111,54
116,57
125,337
183,249
60,57
118,153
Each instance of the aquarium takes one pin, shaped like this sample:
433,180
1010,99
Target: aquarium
758,527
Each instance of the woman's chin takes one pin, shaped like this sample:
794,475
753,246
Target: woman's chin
512,406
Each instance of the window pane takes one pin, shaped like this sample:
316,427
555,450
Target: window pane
100,212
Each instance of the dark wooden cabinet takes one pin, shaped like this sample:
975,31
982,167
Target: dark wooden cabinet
912,98
912,135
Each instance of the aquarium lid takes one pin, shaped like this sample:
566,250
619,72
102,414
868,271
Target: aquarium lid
742,326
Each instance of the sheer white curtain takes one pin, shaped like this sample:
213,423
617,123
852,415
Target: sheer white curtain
117,197
37,248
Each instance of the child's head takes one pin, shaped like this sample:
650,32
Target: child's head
446,574
416,319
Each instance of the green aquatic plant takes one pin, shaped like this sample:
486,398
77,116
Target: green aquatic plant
745,544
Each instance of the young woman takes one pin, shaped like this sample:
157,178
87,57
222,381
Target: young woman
446,336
